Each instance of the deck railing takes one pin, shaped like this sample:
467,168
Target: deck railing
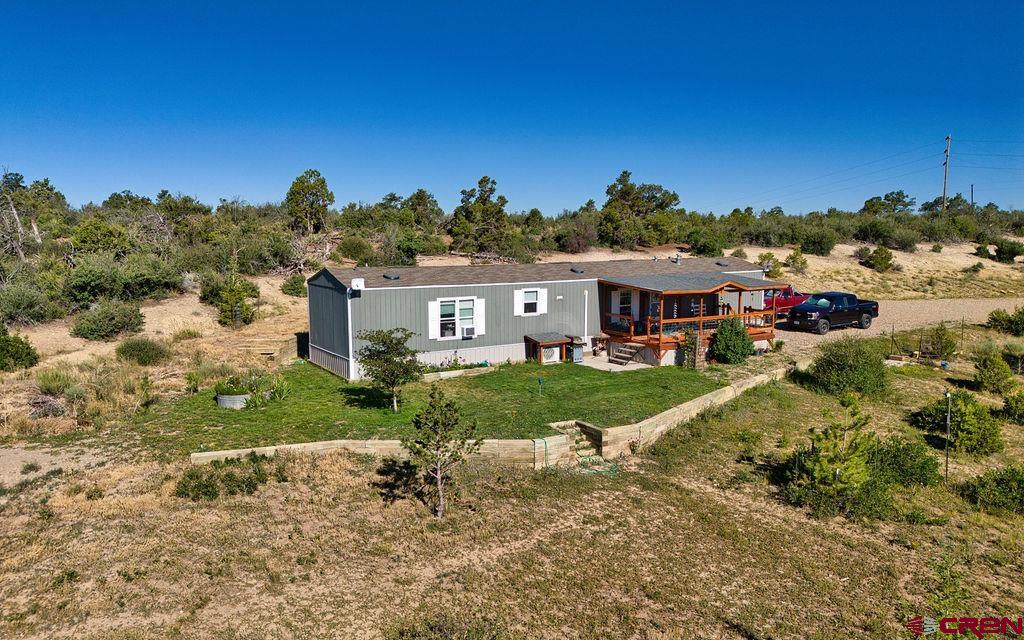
651,329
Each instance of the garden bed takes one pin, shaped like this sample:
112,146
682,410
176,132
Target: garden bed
506,403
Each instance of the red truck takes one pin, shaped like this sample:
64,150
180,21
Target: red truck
784,300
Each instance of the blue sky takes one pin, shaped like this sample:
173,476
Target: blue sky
729,104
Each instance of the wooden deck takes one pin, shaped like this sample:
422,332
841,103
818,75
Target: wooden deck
666,334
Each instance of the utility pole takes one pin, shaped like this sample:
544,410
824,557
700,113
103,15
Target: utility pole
972,196
945,172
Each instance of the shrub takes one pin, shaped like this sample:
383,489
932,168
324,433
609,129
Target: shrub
95,277
108,319
771,265
999,320
16,352
904,462
1012,323
905,240
295,286
936,248
731,344
355,248
739,253
848,365
991,373
22,303
1013,407
144,275
189,333
1007,250
862,253
227,477
143,351
974,269
997,490
54,382
880,260
796,261
973,429
819,241
1013,353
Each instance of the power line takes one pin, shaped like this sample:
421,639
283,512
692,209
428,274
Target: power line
978,166
833,173
776,197
857,186
993,155
993,141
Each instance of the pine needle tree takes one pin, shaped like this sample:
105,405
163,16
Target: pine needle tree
442,442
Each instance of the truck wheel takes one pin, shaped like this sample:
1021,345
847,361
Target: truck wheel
822,328
865,321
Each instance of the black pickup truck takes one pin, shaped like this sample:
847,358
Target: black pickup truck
822,311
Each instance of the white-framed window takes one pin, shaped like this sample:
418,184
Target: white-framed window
625,300
449,327
530,302
449,317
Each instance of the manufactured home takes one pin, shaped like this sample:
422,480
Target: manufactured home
640,309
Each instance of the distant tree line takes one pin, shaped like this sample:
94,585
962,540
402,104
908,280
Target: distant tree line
57,259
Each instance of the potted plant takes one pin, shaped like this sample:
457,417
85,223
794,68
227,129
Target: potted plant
233,392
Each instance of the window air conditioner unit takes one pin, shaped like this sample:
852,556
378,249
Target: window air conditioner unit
468,332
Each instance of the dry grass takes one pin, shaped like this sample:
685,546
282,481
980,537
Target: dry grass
686,541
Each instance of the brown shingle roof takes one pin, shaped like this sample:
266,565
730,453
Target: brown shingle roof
541,272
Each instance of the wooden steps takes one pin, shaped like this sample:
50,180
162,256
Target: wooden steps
586,450
625,354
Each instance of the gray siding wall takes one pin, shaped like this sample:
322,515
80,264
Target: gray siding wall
504,331
328,318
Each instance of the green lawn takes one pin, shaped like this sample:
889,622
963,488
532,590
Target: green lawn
506,403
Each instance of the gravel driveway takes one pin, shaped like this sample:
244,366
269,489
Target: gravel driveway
906,314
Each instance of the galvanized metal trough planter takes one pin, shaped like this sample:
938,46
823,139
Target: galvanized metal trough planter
233,402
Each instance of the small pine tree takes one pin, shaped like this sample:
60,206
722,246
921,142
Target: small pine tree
796,261
991,373
828,475
973,428
233,300
881,260
771,265
388,361
442,442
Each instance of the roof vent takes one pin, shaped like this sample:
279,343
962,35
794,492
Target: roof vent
391,276
576,269
722,263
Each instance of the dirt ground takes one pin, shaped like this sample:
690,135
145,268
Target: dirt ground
922,274
907,314
279,317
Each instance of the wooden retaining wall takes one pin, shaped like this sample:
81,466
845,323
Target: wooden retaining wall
536,453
